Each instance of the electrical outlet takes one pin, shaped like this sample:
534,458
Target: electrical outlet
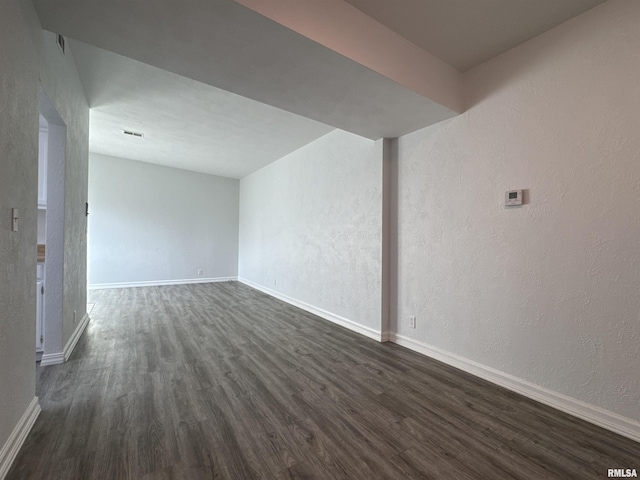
75,316
200,272
412,321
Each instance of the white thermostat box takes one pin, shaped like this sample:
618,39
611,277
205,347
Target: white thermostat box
513,197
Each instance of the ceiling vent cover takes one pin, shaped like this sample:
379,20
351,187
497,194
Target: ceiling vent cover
133,134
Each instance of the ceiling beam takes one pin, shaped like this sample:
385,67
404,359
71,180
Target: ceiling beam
346,30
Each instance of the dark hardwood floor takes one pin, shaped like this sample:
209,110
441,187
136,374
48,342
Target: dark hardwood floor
221,381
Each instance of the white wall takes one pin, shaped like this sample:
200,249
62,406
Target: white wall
150,223
61,81
54,299
19,44
25,57
549,292
310,228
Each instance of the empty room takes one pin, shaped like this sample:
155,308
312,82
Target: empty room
332,239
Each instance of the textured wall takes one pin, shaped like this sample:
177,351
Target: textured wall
548,292
310,226
19,43
60,79
55,235
150,222
23,60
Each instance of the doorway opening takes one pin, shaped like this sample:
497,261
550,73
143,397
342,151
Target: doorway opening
50,284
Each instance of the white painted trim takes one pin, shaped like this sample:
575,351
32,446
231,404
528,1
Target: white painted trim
73,340
61,357
332,317
155,283
624,426
52,359
15,441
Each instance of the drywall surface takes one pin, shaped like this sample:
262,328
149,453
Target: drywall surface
19,43
310,227
55,237
61,82
350,32
547,292
153,223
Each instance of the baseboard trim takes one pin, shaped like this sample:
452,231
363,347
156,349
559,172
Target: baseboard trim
624,426
157,283
14,443
73,340
332,317
52,359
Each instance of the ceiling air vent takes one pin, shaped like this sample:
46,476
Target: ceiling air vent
60,42
133,134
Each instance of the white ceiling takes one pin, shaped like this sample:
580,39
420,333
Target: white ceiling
217,87
225,45
186,124
466,33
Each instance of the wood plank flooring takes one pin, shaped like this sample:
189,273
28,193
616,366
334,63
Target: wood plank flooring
219,381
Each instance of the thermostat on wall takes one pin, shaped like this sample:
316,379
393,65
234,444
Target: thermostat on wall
513,197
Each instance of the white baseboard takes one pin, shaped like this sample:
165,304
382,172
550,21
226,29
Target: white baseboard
73,340
10,450
156,283
343,322
61,357
624,426
52,359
